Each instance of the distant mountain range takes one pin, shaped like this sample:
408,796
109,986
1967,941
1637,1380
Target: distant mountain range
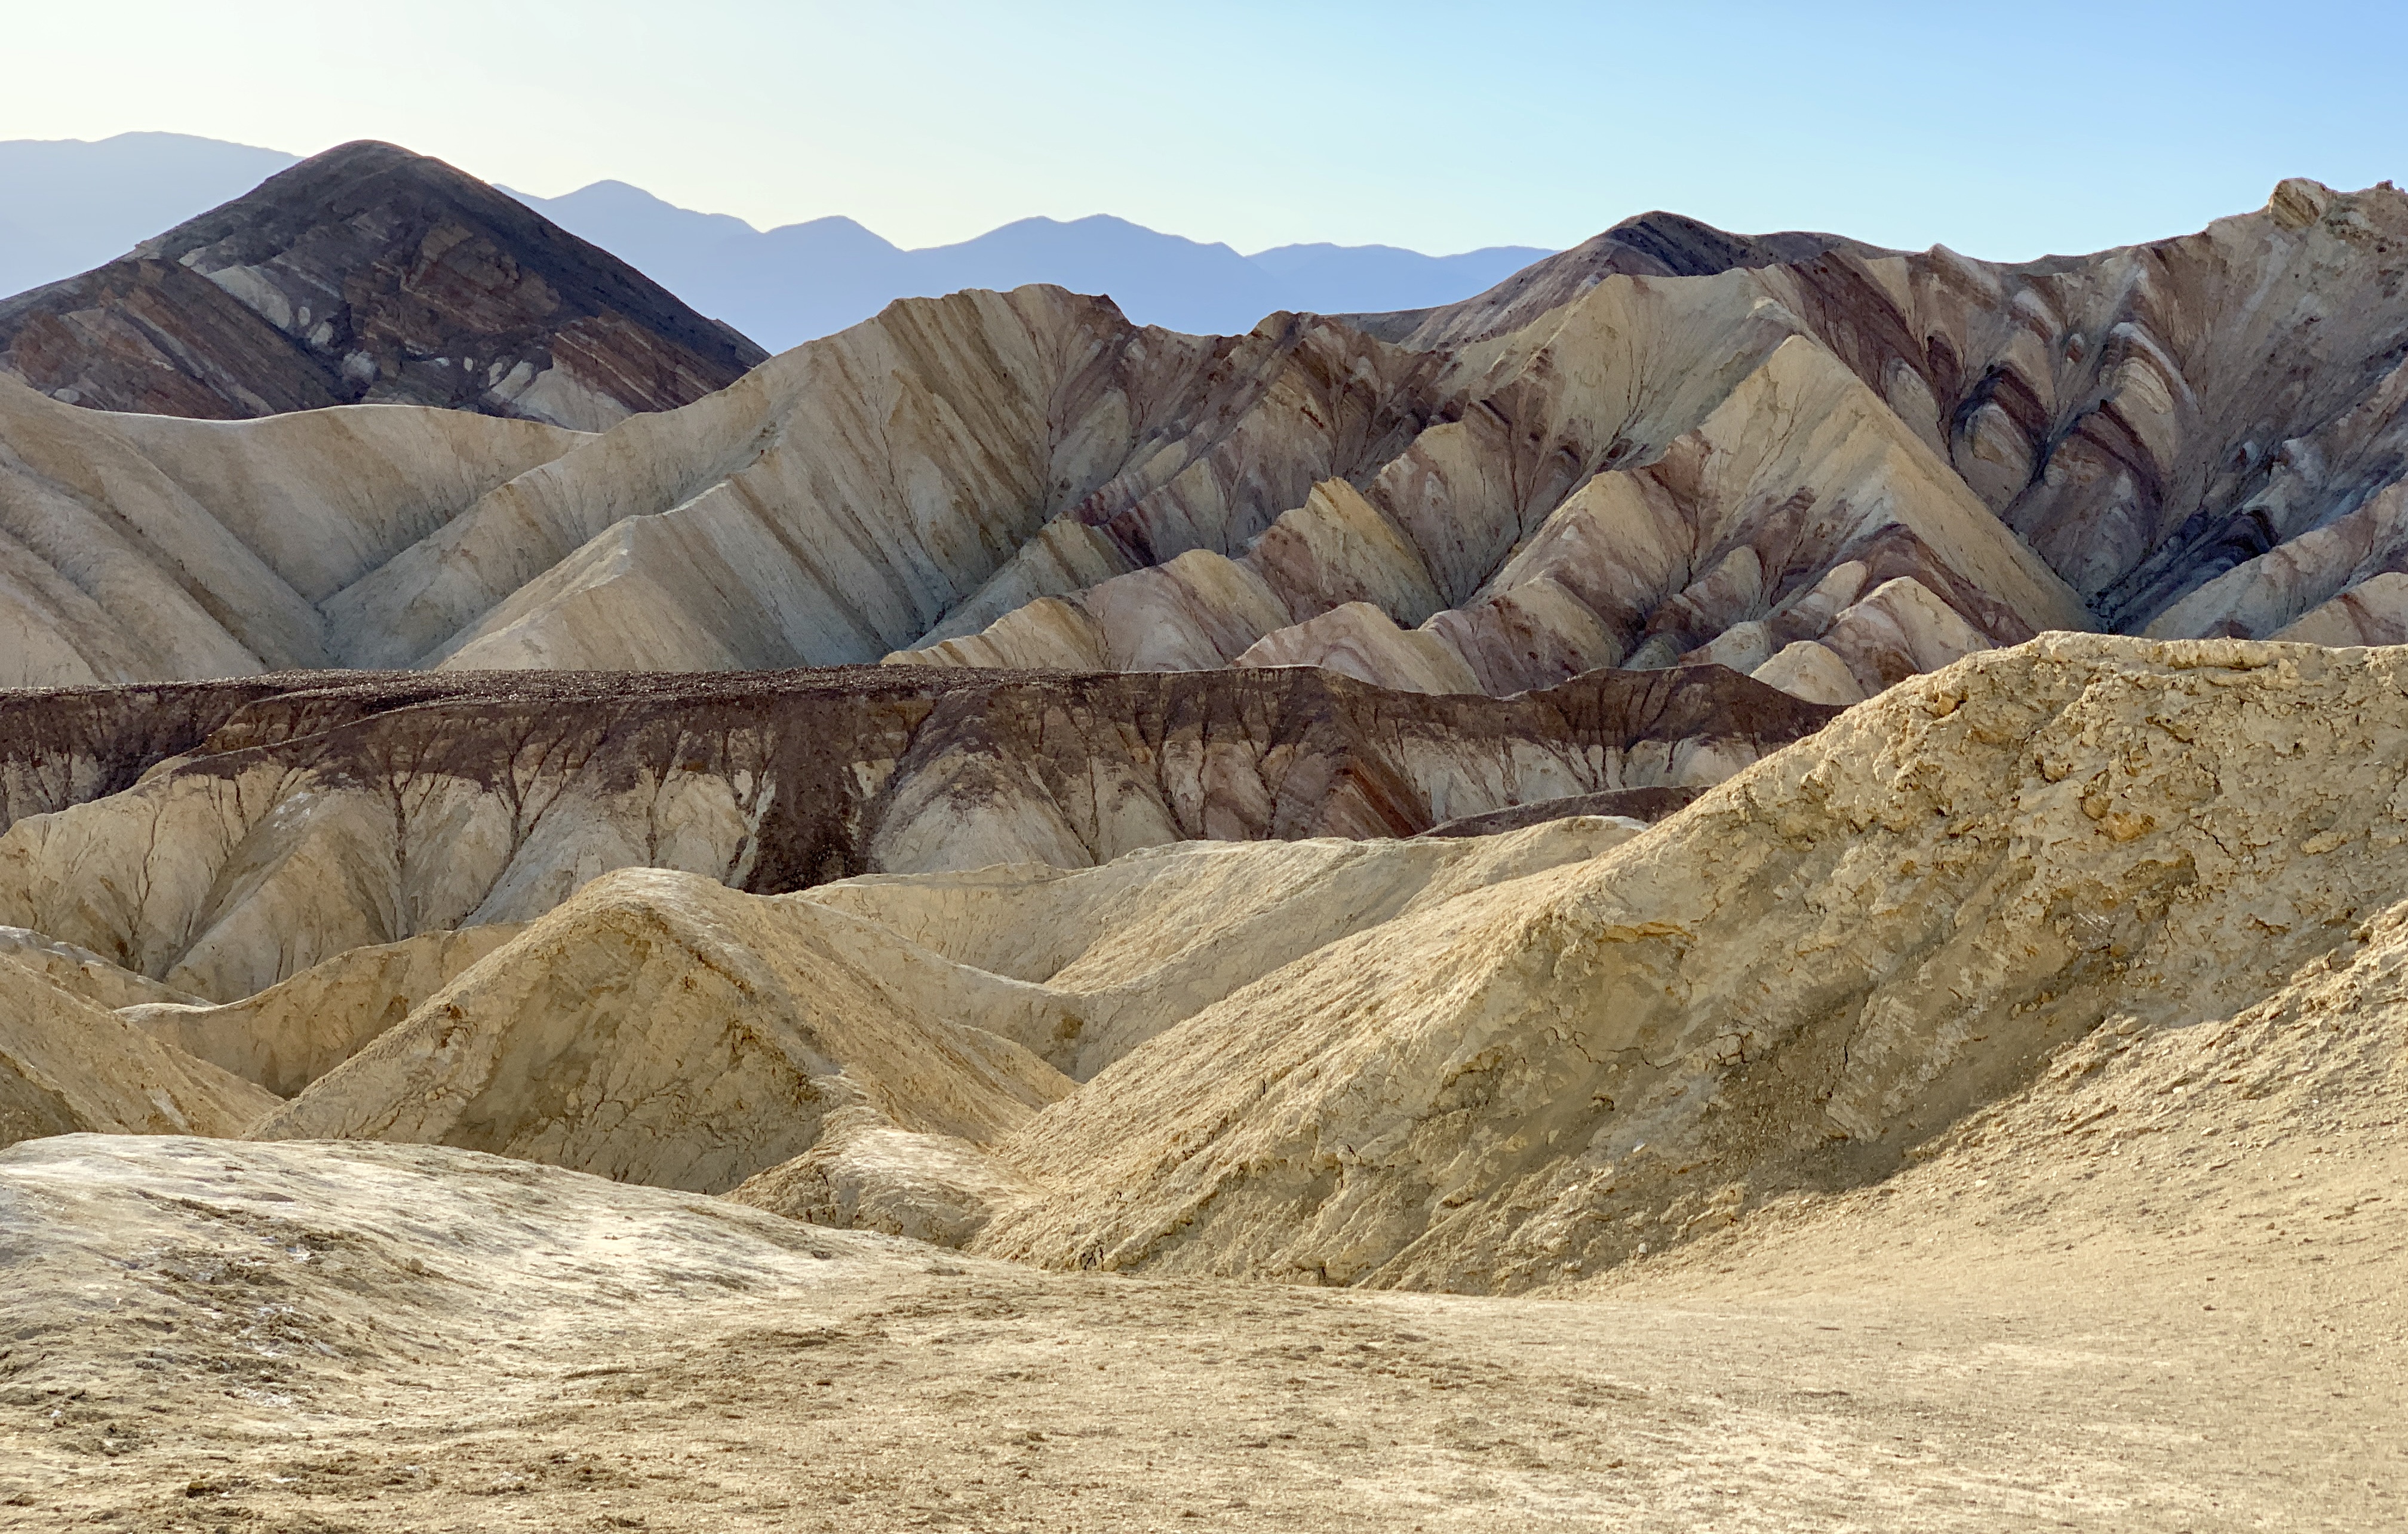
787,285
67,205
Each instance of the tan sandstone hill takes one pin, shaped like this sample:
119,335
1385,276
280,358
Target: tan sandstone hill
68,1065
1789,984
662,1028
294,1032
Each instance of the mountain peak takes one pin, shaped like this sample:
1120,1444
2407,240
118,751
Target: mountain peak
370,273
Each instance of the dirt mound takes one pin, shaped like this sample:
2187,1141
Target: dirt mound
295,1031
662,1028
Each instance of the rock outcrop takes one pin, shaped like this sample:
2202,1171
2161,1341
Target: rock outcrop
368,274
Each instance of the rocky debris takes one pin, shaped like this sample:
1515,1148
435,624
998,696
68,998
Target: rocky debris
67,1064
369,274
1790,984
243,1280
334,813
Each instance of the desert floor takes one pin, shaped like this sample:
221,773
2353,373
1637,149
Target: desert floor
2128,1338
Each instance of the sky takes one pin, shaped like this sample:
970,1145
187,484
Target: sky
2004,131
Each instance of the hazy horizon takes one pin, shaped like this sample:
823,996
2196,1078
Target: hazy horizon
2074,129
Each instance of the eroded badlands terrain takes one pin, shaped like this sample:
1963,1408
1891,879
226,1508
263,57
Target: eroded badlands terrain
1751,882
1985,1112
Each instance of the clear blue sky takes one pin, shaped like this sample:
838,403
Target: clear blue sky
2005,131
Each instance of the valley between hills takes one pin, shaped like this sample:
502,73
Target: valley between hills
1747,883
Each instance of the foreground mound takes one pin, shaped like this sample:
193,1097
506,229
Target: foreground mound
394,1338
161,1271
1792,983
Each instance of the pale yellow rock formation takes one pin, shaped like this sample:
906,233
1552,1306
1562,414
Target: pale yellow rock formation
1812,969
67,1064
1806,669
295,1031
1132,947
866,1174
1361,641
83,972
1899,630
142,548
662,1028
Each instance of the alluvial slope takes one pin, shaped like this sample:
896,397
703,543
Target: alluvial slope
368,274
341,811
1790,983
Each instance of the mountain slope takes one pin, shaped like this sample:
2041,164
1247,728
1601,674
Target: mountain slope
328,812
368,274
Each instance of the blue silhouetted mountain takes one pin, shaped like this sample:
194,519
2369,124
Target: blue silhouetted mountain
67,206
784,286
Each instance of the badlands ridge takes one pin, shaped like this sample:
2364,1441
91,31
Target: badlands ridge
1822,463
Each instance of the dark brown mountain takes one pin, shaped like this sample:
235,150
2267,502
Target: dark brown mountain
368,274
1656,244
